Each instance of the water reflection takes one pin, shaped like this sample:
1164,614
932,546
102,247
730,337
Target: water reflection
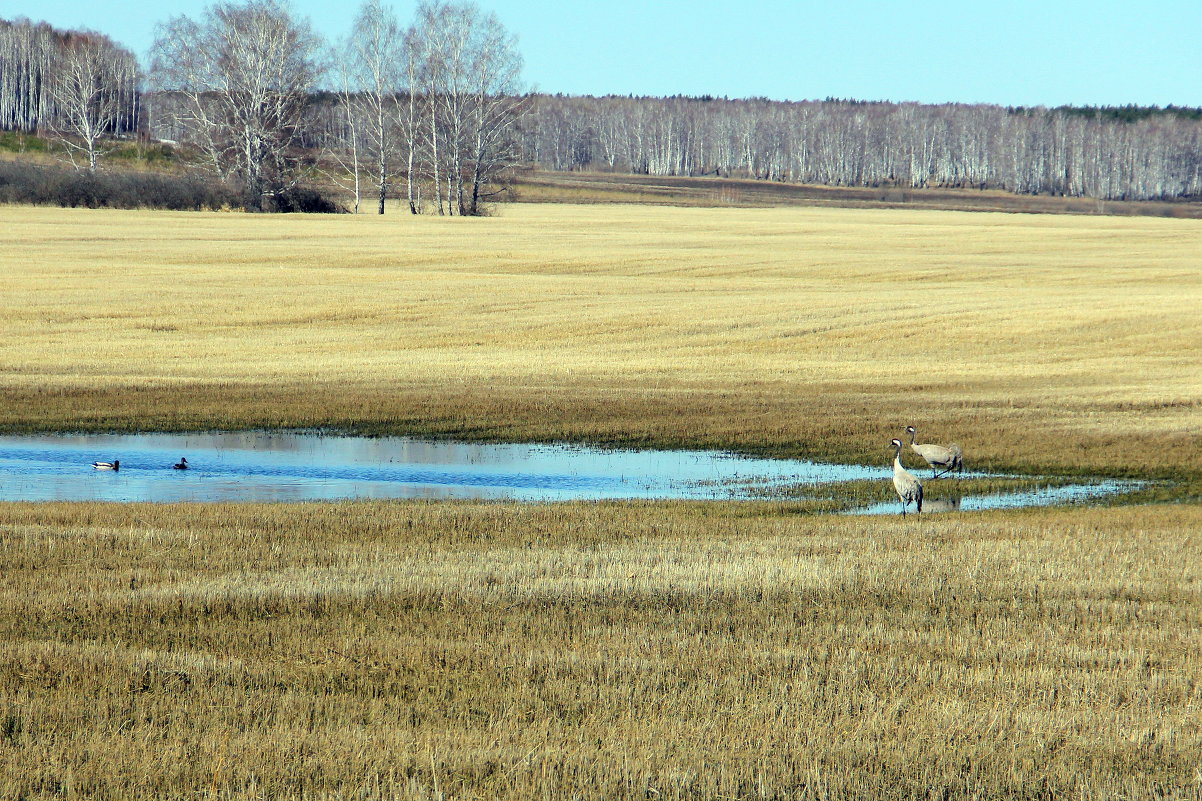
948,504
299,466
291,466
1039,496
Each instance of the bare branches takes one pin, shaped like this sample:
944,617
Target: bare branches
27,52
89,86
847,143
240,79
468,75
442,102
78,86
373,60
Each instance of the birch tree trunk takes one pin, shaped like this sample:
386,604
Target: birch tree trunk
375,54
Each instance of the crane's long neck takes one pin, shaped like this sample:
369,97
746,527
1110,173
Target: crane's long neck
897,465
912,435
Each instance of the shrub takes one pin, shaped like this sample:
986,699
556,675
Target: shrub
301,199
23,182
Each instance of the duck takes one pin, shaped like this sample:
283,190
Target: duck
181,465
113,465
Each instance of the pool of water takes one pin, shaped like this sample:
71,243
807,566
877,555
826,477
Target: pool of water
301,466
1063,495
295,466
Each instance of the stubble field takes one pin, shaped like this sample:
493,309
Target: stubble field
597,651
1049,342
649,650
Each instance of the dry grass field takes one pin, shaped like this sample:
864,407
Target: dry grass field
1038,342
546,186
597,651
455,650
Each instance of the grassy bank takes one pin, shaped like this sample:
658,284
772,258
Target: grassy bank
1037,342
596,651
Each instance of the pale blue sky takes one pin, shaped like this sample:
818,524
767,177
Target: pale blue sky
1021,52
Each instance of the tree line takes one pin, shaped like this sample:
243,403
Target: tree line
1078,152
262,101
78,86
434,103
434,111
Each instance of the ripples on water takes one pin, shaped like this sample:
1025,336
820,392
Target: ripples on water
299,466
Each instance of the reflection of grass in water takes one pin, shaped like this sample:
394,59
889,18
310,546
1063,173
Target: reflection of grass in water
840,496
944,494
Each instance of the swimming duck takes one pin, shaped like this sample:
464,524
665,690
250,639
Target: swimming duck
113,465
182,465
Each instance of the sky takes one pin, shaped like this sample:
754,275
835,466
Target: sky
1013,53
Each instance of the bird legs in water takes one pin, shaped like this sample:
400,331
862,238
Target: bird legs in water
958,469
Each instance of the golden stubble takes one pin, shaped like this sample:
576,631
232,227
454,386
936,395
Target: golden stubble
534,322
460,650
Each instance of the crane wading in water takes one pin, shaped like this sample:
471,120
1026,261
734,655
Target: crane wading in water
938,456
908,487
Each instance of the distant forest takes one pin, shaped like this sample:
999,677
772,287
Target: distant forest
1124,153
1129,153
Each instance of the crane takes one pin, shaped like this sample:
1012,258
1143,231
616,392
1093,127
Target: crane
908,487
947,457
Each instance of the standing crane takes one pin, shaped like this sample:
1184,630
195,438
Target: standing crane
908,487
938,456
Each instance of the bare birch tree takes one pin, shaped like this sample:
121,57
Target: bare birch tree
242,76
27,51
376,62
435,30
88,83
411,117
497,103
468,71
345,151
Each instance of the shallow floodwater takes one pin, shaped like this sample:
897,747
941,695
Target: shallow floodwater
301,466
262,466
1042,496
